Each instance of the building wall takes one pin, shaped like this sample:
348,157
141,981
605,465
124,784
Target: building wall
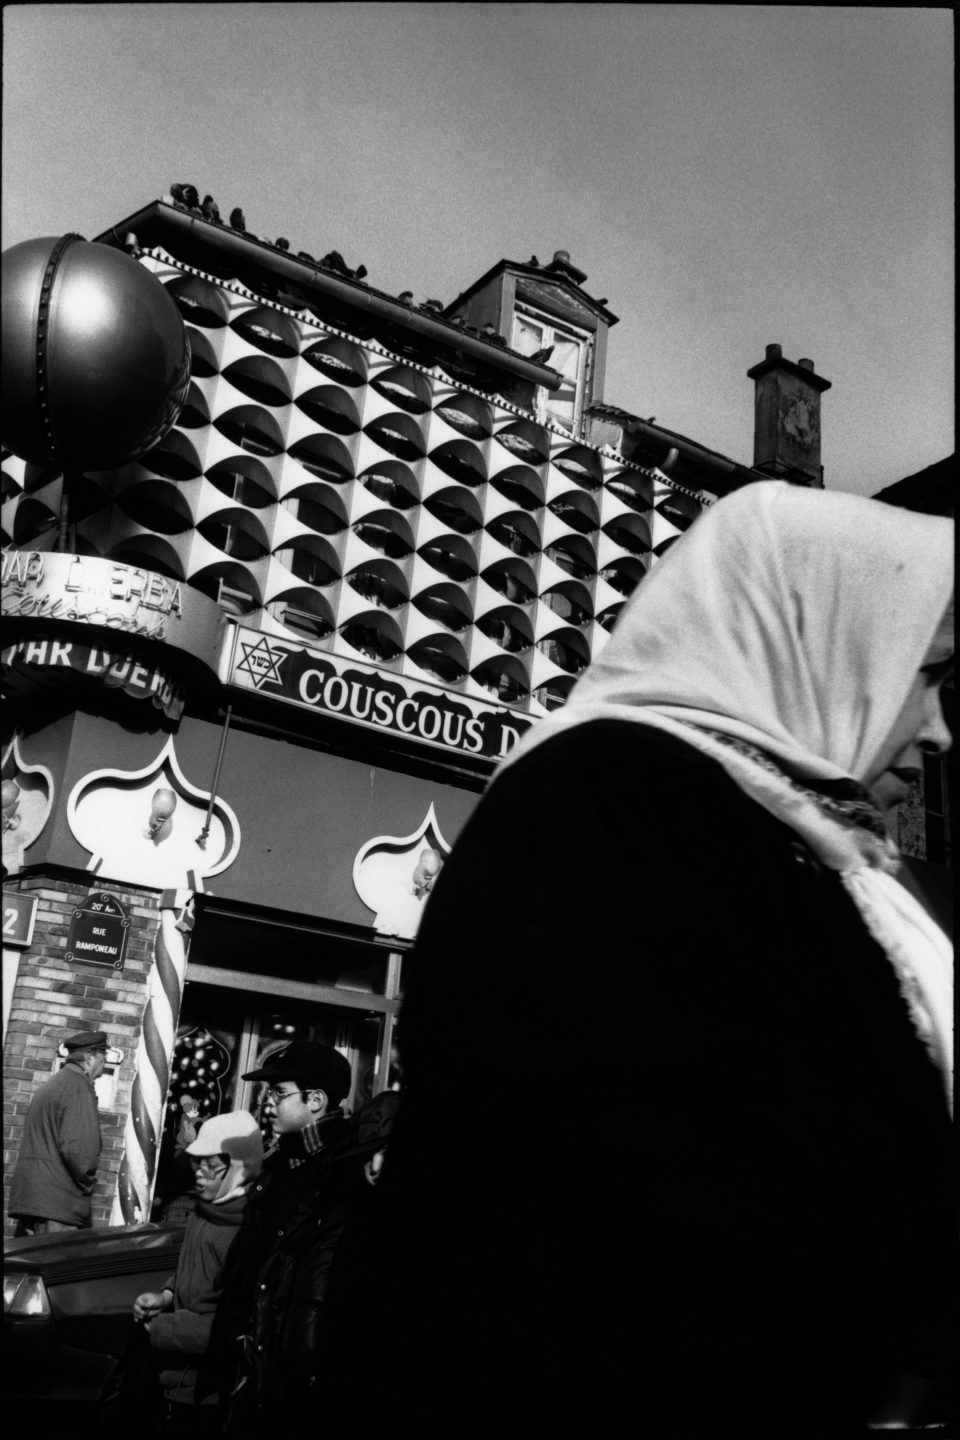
325,492
303,814
54,998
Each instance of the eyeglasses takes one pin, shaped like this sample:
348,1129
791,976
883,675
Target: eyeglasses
277,1095
207,1164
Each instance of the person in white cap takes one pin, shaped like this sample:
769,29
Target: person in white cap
226,1156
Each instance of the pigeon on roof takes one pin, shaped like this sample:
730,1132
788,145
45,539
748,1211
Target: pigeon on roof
540,357
176,193
335,261
305,255
436,305
237,222
282,244
191,196
211,210
405,297
534,261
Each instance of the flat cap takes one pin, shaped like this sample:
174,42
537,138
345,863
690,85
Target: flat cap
86,1040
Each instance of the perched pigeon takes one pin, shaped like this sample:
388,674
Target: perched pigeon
304,255
534,261
335,261
360,273
405,297
211,210
176,193
237,222
436,305
191,196
540,357
282,244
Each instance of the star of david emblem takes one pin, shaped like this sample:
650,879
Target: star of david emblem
261,663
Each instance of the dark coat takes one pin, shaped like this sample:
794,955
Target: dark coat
696,1168
181,1336
276,1283
56,1168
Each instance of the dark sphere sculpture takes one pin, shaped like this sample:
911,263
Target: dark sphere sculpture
96,361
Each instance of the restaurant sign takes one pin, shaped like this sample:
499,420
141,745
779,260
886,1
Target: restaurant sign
330,685
113,666
85,594
98,932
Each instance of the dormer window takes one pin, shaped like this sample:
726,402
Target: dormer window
571,354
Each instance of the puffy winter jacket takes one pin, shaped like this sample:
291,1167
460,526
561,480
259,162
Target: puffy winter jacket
268,1342
181,1335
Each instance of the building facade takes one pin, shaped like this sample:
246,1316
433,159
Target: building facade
257,678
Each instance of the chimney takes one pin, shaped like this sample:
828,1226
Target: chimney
786,436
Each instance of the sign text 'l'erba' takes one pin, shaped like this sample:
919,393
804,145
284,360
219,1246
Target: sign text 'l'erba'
98,932
326,683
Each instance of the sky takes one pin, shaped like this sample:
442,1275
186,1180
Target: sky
729,176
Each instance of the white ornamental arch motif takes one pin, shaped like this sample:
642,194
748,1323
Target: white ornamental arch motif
149,826
394,874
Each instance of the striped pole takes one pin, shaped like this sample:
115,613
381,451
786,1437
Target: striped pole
138,1168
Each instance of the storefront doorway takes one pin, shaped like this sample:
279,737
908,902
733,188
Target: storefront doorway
254,983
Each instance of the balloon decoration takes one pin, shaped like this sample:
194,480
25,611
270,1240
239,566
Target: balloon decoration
426,871
96,361
200,1065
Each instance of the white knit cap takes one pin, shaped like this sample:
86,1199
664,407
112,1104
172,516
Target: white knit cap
235,1134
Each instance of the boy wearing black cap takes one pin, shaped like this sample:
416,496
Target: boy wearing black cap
56,1168
267,1345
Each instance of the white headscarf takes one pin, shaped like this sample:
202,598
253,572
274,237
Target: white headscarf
794,620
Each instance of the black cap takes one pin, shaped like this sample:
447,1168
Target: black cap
85,1040
312,1065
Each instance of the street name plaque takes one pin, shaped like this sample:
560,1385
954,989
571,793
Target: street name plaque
98,932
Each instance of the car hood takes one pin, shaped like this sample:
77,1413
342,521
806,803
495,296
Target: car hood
75,1250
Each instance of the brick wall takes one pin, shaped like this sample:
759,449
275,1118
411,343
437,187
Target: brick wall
54,998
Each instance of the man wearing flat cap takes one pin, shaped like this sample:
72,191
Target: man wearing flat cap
56,1168
266,1355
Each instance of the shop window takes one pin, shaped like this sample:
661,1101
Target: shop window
233,601
571,355
225,1032
324,513
312,569
241,488
303,622
574,611
232,540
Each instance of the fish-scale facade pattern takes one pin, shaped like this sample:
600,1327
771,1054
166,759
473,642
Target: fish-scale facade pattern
330,492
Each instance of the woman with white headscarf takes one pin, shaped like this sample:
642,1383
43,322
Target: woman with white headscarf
699,1180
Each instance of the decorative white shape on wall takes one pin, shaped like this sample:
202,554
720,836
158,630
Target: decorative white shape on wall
27,801
144,827
393,877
